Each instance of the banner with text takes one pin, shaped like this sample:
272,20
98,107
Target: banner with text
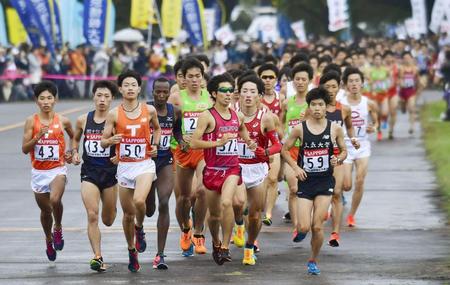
194,22
338,17
94,26
28,21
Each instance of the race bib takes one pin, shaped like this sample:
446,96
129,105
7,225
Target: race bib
190,121
244,152
94,149
164,141
46,152
230,148
132,151
292,124
316,160
359,125
408,83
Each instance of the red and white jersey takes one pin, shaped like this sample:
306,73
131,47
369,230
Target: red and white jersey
275,105
247,156
48,152
225,156
135,144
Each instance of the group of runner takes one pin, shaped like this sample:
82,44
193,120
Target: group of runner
222,145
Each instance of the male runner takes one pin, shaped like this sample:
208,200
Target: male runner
98,172
192,101
339,114
261,126
169,118
217,133
314,169
408,77
43,139
361,109
128,127
272,99
293,111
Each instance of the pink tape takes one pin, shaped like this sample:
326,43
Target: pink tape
12,76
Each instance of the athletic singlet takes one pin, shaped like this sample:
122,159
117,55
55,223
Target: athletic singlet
336,116
316,151
380,81
93,153
275,105
360,118
166,123
135,143
247,156
293,113
225,156
408,80
191,110
48,152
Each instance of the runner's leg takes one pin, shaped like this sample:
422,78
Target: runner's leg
164,185
183,185
321,204
91,199
58,186
272,185
361,166
200,206
43,201
109,205
256,199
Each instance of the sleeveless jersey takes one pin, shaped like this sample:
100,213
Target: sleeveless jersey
48,152
293,113
191,110
136,133
275,105
247,156
225,156
360,118
380,80
166,123
408,80
315,152
93,153
336,116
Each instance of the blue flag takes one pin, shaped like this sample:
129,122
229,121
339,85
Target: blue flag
193,22
57,29
40,11
3,39
29,22
95,21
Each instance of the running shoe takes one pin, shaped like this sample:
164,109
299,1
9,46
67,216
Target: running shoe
379,136
256,248
133,265
249,256
384,125
199,244
267,221
50,251
97,264
239,235
225,255
312,268
298,237
391,135
216,253
334,240
351,221
58,239
287,217
158,262
189,252
141,243
186,240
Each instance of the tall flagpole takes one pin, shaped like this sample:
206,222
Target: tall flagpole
150,25
158,18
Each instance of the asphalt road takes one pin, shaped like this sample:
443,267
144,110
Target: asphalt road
402,236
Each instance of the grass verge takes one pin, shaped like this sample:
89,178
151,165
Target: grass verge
437,143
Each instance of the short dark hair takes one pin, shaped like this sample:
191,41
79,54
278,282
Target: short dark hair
160,79
268,66
351,70
256,63
202,58
45,86
112,87
251,78
303,67
286,70
326,58
129,73
318,93
192,62
406,52
298,57
214,82
177,67
236,73
269,57
332,67
330,75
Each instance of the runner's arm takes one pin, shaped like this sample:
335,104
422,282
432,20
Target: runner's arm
177,132
373,111
243,133
174,98
268,121
155,125
28,142
81,121
347,114
341,144
108,139
295,134
204,122
69,130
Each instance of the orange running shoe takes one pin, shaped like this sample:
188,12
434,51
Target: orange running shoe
334,240
186,240
379,136
351,221
199,244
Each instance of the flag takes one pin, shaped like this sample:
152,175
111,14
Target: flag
171,11
110,24
299,30
40,10
338,17
142,13
28,21
194,22
56,23
3,38
441,10
225,35
16,30
94,19
264,28
72,22
419,16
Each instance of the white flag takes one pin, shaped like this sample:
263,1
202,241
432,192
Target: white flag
337,15
419,15
441,10
299,30
224,34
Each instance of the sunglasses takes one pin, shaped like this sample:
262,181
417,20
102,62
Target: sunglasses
267,77
226,90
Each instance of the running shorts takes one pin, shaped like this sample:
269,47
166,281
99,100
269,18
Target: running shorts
213,178
406,93
254,174
316,186
189,159
294,152
378,97
128,171
355,154
163,161
102,177
41,179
